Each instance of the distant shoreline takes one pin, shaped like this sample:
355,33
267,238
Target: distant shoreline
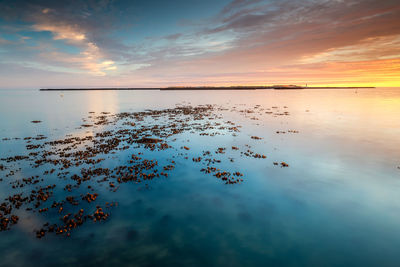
201,88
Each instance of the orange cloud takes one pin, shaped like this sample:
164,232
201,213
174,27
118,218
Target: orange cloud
90,59
61,32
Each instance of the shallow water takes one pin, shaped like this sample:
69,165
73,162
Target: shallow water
337,204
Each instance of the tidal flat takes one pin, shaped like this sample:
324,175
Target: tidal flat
291,178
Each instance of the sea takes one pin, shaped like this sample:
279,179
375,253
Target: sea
256,177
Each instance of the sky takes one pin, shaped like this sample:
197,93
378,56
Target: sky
159,43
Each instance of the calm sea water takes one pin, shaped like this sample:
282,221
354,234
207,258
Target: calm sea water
338,204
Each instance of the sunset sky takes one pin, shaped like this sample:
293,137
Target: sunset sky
199,42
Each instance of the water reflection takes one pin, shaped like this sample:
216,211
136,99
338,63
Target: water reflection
337,203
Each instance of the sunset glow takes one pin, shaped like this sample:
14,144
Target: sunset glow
200,133
201,43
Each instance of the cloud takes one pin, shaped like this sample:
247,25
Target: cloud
237,4
373,48
69,23
247,41
90,58
273,33
173,37
62,32
46,10
4,41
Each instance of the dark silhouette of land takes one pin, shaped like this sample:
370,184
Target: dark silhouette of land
276,87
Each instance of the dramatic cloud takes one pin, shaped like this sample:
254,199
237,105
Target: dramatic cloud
130,43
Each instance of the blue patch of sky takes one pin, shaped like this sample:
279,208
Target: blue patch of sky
18,30
64,47
32,38
37,36
10,37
